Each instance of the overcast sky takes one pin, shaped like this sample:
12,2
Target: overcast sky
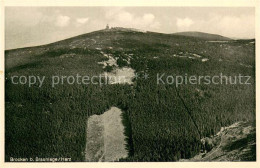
30,26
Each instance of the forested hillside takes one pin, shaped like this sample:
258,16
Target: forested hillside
164,122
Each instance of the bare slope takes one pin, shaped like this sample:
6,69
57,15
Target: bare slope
105,137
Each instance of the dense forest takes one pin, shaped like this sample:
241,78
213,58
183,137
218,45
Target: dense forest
163,122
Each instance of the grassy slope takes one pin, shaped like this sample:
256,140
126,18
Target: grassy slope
50,122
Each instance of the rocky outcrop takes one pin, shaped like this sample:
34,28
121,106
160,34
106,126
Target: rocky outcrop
234,143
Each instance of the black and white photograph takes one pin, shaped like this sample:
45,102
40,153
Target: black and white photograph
129,84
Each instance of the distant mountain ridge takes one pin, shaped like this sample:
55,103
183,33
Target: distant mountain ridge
199,35
205,36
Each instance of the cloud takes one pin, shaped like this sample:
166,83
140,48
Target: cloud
155,25
121,18
236,26
82,20
62,21
124,17
113,11
184,23
29,16
242,26
148,18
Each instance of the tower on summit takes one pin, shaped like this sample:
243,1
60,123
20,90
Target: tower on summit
107,27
